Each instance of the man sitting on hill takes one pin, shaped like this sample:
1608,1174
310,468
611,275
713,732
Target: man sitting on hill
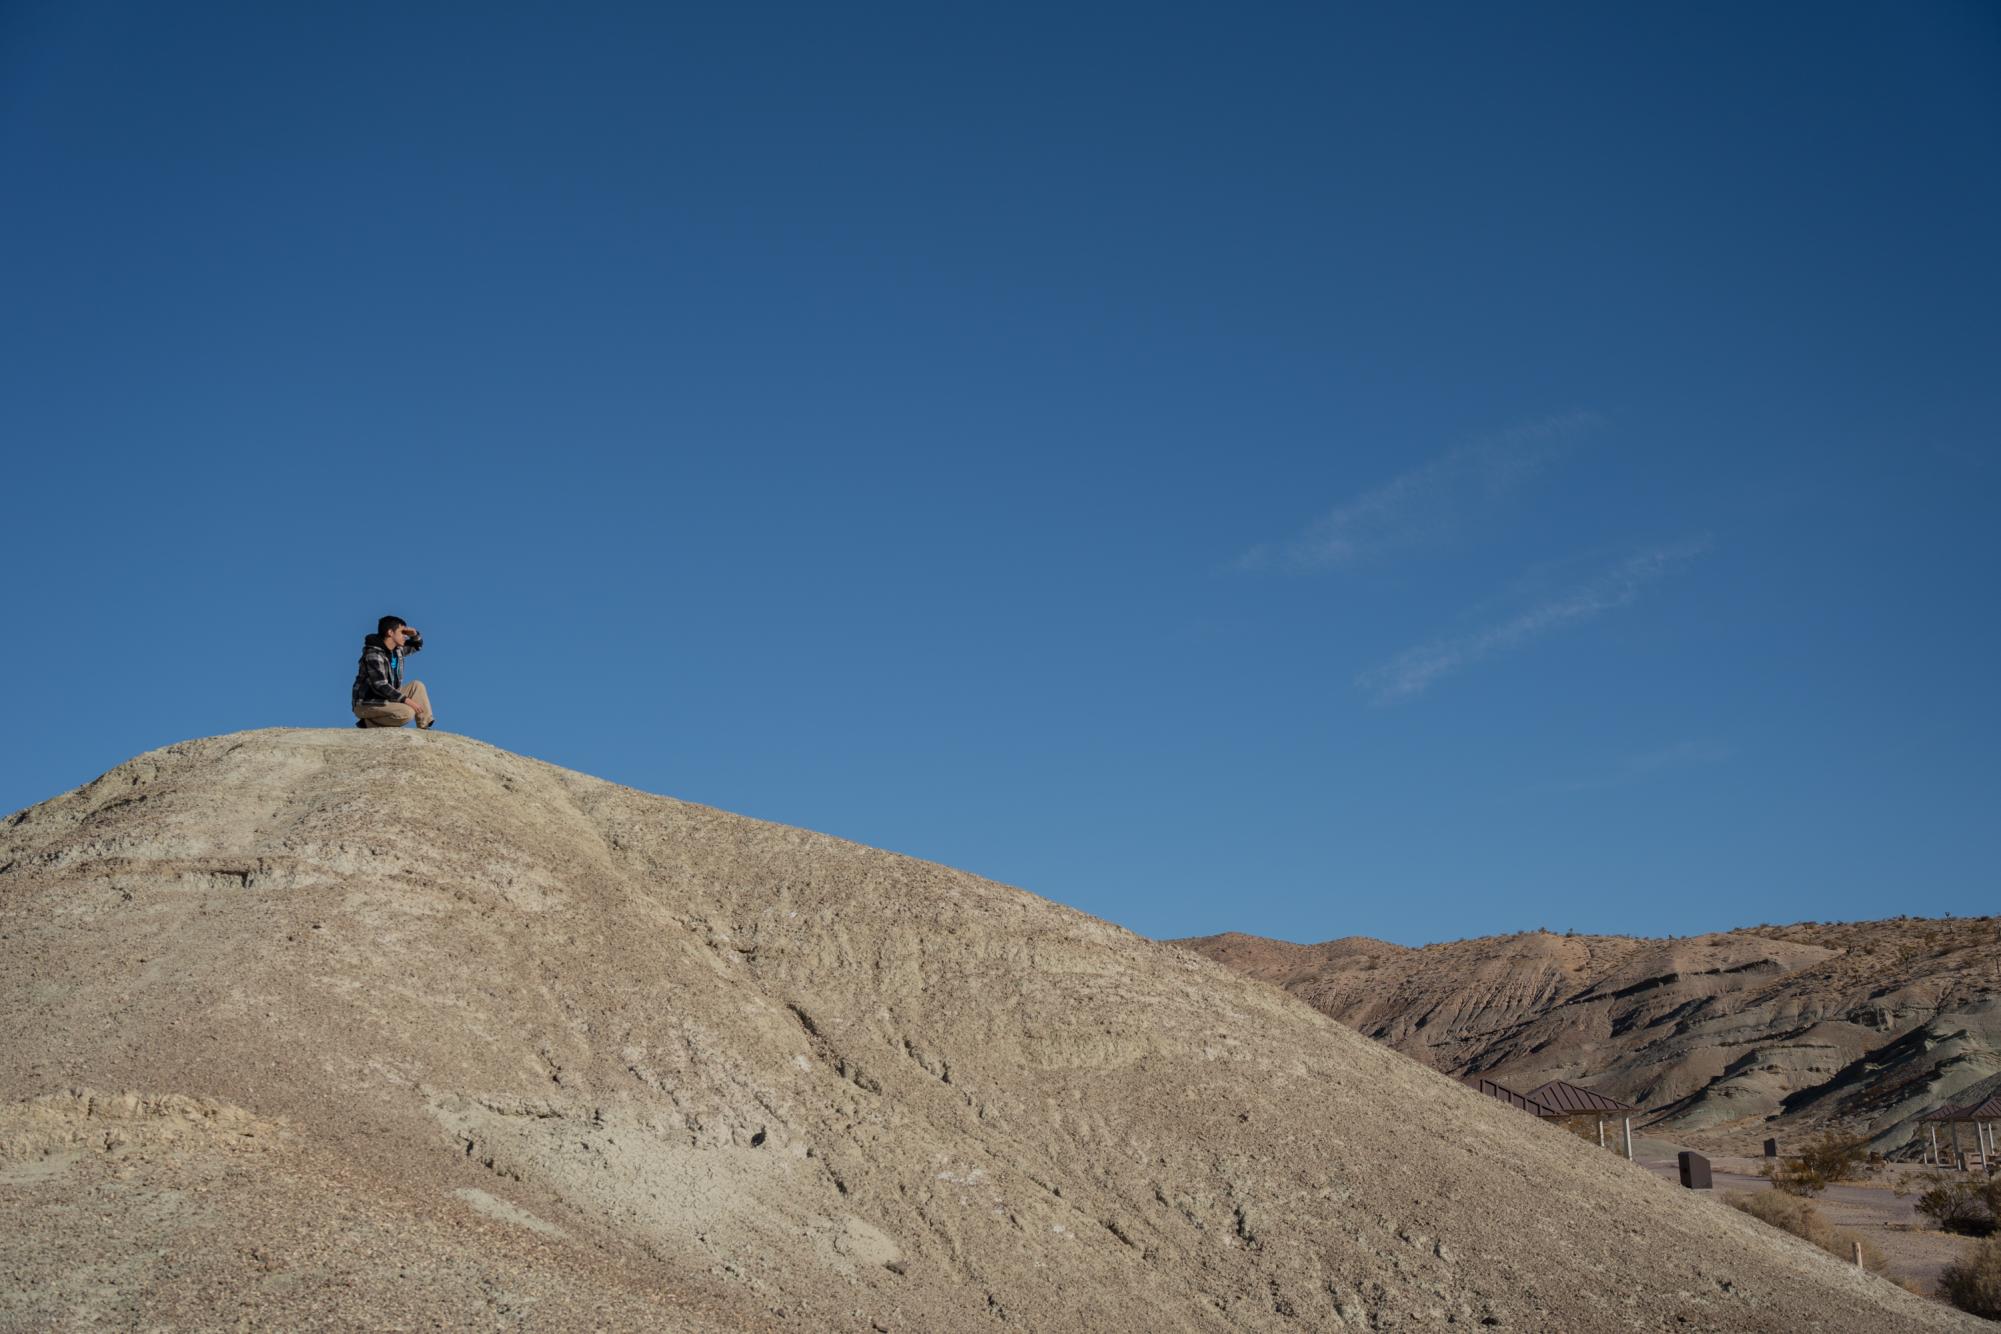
380,697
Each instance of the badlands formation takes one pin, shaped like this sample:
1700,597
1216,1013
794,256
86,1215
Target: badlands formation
1861,1026
394,1030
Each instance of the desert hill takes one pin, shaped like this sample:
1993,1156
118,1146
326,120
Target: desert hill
341,1029
1733,1036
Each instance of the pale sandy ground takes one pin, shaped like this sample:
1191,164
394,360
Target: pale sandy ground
1912,1250
335,1029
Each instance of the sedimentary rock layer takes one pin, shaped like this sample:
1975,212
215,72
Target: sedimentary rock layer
1732,1036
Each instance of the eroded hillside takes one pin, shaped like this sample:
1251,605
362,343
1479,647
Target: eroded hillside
339,1029
1731,1036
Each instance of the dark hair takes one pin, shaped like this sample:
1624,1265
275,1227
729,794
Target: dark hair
388,623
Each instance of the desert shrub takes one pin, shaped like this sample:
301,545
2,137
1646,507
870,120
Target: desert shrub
1790,1213
1832,1157
1969,1206
1973,1282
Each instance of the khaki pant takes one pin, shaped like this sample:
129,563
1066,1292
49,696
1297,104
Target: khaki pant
416,704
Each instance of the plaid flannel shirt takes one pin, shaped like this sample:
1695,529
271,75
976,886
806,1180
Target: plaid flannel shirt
379,678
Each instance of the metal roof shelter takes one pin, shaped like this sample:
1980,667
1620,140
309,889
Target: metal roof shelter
1570,1100
1567,1100
1481,1084
1986,1118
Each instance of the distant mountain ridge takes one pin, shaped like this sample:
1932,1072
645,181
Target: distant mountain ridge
1727,1037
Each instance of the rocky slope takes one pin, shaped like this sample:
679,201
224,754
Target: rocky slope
339,1029
1731,1037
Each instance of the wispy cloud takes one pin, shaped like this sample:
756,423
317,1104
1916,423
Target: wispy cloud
1426,504
1647,764
1414,670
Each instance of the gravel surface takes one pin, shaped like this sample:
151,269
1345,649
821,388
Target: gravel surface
1913,1250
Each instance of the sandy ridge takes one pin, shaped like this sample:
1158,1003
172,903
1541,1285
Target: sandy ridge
743,1076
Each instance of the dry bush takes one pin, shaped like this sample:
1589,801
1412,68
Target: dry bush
1790,1213
1830,1158
1970,1206
1973,1282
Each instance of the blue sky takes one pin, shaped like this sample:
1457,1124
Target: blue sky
1419,471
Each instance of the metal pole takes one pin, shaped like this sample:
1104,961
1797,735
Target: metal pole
1601,1132
1629,1139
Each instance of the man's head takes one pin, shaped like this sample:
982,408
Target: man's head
393,631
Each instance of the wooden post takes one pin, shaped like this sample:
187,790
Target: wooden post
1934,1153
1858,1255
1629,1139
1601,1132
1958,1159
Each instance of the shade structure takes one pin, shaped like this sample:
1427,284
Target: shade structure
1570,1100
1986,1110
1481,1084
1986,1140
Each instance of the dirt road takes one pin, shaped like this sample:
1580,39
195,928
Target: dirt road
1913,1251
